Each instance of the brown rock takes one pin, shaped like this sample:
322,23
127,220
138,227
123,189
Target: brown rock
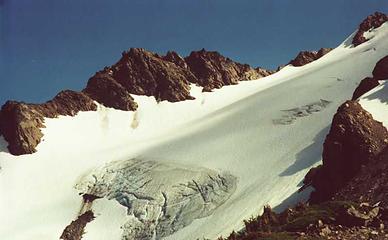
372,21
104,89
66,103
137,72
75,229
306,57
380,72
20,123
213,70
144,73
365,86
355,139
174,57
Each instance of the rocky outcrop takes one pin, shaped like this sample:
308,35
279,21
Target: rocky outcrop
75,230
139,72
380,72
105,90
370,184
20,122
144,73
213,70
329,220
355,139
365,86
306,57
174,57
158,206
372,21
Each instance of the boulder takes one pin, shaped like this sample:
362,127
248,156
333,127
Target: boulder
355,139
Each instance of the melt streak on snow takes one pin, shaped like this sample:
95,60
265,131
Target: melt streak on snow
229,130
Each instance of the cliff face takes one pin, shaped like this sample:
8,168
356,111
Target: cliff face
139,72
306,57
372,21
213,70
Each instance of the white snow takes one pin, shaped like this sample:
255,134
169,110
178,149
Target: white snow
376,102
372,32
108,217
230,129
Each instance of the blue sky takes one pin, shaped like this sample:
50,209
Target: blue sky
50,45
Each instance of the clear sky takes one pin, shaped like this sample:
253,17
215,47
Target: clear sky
50,45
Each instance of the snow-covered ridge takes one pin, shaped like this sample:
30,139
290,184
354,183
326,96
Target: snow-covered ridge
230,129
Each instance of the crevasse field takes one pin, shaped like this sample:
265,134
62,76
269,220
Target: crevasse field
265,133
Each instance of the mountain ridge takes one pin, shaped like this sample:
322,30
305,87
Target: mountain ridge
138,72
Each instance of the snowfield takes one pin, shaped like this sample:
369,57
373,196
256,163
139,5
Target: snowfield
376,103
265,133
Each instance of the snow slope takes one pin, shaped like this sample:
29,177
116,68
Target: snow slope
267,133
376,102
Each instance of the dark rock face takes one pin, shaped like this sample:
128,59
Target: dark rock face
306,57
370,185
328,220
145,73
75,229
20,123
372,21
174,57
104,89
354,140
380,72
365,86
213,70
66,103
137,72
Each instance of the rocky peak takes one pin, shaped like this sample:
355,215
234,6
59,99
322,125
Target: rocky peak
214,70
305,57
174,57
372,21
144,73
